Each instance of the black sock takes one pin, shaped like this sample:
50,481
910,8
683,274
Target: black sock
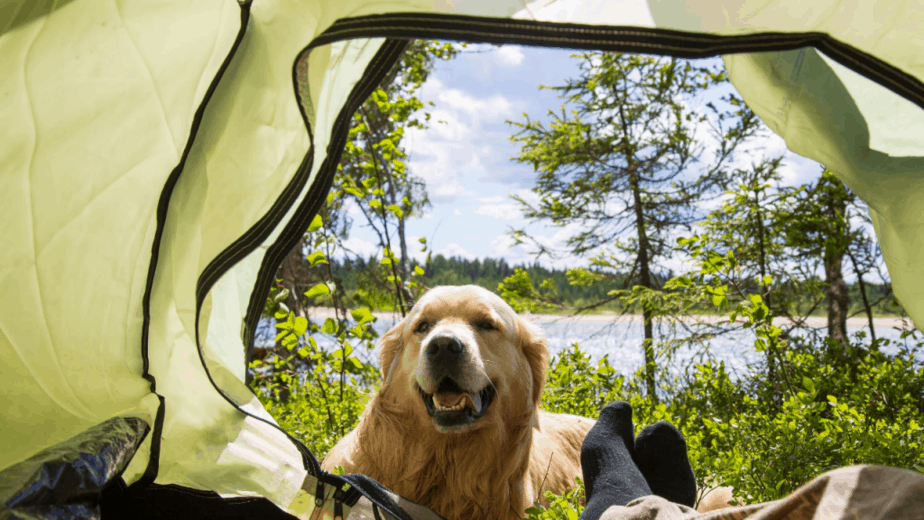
661,455
610,475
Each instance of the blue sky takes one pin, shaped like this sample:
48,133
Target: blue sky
466,161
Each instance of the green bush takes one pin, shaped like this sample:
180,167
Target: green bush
337,383
736,433
827,419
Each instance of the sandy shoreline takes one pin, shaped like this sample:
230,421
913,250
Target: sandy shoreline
814,321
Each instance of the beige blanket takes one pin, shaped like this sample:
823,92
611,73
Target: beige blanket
853,492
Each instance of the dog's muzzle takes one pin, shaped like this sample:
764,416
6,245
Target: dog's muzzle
453,408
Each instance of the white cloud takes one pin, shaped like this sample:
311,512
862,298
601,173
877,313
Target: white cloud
491,108
447,191
509,56
503,247
500,211
446,125
492,200
454,249
532,198
457,212
494,108
359,247
465,143
352,209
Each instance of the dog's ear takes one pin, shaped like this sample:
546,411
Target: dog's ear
389,347
536,349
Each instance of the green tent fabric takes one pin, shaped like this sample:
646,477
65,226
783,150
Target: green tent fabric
158,158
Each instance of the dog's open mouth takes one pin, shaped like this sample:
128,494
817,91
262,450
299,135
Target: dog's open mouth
452,408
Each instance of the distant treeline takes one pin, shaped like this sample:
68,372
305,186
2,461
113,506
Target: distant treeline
488,273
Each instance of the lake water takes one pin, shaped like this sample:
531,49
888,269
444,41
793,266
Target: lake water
621,342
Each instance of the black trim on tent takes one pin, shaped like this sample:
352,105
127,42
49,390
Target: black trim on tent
150,473
380,65
618,39
387,55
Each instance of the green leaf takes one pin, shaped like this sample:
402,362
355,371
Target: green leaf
301,325
317,290
316,224
329,327
394,209
362,315
418,271
317,258
808,384
352,190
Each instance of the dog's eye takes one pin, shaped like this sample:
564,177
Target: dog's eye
485,325
423,327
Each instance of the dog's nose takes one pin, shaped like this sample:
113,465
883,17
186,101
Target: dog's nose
444,349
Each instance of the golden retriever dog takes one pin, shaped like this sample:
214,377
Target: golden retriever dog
456,425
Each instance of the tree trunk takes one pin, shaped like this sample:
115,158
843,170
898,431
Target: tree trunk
866,305
644,281
835,248
405,273
295,273
393,197
765,294
836,294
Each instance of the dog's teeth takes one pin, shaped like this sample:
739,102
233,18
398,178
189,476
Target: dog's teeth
477,403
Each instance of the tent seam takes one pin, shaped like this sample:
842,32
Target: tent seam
207,62
154,86
228,257
84,412
224,262
269,275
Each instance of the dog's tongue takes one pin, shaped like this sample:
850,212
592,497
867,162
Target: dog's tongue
447,400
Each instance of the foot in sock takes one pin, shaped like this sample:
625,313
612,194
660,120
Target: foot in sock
610,475
661,455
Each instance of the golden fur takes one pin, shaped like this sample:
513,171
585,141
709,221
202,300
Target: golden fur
492,468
